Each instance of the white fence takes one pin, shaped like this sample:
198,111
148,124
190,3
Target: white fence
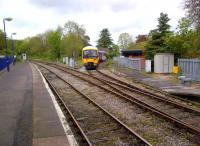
133,63
69,61
190,68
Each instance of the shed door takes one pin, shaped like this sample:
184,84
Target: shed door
166,64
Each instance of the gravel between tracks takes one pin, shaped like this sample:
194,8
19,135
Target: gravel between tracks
99,127
153,129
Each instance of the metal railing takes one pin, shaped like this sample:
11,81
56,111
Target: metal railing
5,62
190,68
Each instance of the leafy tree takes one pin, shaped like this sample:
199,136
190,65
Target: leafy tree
124,40
193,11
72,27
35,47
2,41
113,51
19,46
105,40
141,38
157,37
140,46
140,43
52,44
23,46
54,40
185,41
72,45
74,39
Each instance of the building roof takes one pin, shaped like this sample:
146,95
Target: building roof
127,53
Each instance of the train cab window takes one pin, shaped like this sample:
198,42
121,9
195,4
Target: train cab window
90,53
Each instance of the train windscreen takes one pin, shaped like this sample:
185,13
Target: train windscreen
90,53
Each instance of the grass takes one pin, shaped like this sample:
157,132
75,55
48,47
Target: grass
108,64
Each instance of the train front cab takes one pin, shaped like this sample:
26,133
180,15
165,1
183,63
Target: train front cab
90,57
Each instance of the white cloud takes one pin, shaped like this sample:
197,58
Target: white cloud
133,16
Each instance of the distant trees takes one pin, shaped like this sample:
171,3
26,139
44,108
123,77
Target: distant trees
185,42
71,38
124,40
72,45
2,42
157,37
53,44
141,38
140,42
74,39
105,40
72,27
193,11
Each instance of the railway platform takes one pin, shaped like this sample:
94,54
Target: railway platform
27,113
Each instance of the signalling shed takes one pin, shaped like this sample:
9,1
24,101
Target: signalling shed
163,62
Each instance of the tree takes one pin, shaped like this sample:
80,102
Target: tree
141,38
193,11
124,40
185,41
105,40
74,39
140,43
113,51
2,41
72,27
54,40
157,37
72,45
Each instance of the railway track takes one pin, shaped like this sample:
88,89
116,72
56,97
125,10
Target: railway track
186,116
96,125
181,115
148,90
162,103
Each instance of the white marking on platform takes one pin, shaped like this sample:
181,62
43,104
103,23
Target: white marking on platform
71,139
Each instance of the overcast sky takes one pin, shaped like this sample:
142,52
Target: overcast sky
31,17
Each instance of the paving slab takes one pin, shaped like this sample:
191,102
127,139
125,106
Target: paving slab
47,128
16,106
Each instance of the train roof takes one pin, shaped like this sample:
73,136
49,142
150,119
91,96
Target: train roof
90,48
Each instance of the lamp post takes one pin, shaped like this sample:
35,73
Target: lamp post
13,48
6,46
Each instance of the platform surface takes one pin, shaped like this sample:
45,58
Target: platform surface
27,114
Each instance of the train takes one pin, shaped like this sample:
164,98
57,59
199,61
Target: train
90,57
102,56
